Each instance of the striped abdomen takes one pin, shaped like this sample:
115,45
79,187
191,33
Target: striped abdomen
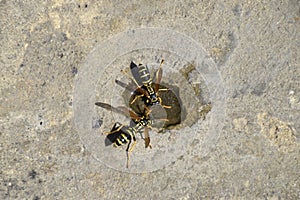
144,74
140,73
125,136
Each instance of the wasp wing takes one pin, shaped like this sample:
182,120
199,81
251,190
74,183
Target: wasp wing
131,88
158,76
135,71
128,87
121,109
129,113
147,138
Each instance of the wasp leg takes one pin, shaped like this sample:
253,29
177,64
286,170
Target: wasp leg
127,155
147,111
164,106
135,98
129,150
163,120
168,107
118,129
163,89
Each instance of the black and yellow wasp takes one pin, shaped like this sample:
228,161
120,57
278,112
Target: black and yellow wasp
121,134
147,89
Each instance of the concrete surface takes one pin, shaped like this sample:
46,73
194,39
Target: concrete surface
253,47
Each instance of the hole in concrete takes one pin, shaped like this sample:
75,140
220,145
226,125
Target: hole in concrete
188,96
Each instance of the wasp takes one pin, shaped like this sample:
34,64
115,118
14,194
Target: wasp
147,89
141,121
121,134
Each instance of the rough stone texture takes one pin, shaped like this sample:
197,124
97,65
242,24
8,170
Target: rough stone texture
255,46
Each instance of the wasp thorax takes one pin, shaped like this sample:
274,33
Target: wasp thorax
154,98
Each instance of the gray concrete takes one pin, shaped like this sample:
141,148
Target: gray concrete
246,147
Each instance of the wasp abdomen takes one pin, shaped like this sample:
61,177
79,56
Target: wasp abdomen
144,74
140,73
122,139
